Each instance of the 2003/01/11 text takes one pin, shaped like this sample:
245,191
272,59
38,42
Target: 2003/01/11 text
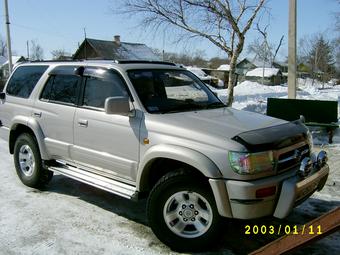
283,229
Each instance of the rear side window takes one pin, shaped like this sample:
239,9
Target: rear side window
61,88
24,80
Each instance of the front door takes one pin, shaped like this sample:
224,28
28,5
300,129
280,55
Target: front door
105,144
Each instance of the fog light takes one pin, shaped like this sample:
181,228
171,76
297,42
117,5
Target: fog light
305,167
266,192
322,158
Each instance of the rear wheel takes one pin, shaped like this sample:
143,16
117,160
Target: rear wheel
182,212
28,162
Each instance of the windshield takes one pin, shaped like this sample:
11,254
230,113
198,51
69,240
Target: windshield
164,91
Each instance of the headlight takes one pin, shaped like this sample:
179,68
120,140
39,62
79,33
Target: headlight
251,163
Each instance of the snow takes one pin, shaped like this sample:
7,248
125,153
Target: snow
224,67
258,72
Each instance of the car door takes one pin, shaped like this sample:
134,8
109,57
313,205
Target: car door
105,144
55,110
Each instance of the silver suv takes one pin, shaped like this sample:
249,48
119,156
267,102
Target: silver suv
153,130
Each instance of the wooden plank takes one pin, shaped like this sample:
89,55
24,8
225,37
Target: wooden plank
319,111
329,223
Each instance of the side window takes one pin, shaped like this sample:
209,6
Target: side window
24,80
97,89
61,88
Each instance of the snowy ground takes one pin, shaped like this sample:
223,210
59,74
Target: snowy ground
69,217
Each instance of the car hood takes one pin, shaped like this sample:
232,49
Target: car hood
220,123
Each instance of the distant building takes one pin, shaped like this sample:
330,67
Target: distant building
245,65
115,50
248,64
266,76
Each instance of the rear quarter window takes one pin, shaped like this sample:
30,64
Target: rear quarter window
24,80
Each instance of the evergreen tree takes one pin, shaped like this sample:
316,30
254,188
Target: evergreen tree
321,56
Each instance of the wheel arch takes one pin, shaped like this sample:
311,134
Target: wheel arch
161,159
27,125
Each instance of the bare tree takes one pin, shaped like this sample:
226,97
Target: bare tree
36,51
60,54
223,22
278,48
3,47
263,50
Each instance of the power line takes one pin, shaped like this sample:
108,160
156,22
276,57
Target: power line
40,31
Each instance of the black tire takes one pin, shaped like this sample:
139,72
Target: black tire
35,176
170,187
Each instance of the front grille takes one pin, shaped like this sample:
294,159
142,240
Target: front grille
291,157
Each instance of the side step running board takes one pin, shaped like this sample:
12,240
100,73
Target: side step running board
95,180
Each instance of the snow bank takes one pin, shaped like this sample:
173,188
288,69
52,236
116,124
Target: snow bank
258,72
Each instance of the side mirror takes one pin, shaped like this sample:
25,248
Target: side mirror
117,105
2,96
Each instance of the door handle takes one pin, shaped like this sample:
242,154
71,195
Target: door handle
37,114
82,123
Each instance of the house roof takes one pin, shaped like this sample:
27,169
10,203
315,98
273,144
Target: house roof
260,63
124,50
224,67
255,62
266,72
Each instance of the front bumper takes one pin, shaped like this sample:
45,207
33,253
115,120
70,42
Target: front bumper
240,200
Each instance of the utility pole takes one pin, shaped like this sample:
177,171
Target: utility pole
9,50
28,50
292,50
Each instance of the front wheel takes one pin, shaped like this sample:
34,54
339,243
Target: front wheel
182,212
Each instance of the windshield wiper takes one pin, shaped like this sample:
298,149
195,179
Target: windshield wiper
184,107
215,105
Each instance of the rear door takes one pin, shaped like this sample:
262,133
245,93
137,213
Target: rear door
106,144
55,109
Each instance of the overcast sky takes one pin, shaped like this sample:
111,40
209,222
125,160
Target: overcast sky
59,24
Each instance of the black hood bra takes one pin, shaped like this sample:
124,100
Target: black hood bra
275,137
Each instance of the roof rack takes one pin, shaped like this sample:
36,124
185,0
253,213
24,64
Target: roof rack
53,60
124,61
117,61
